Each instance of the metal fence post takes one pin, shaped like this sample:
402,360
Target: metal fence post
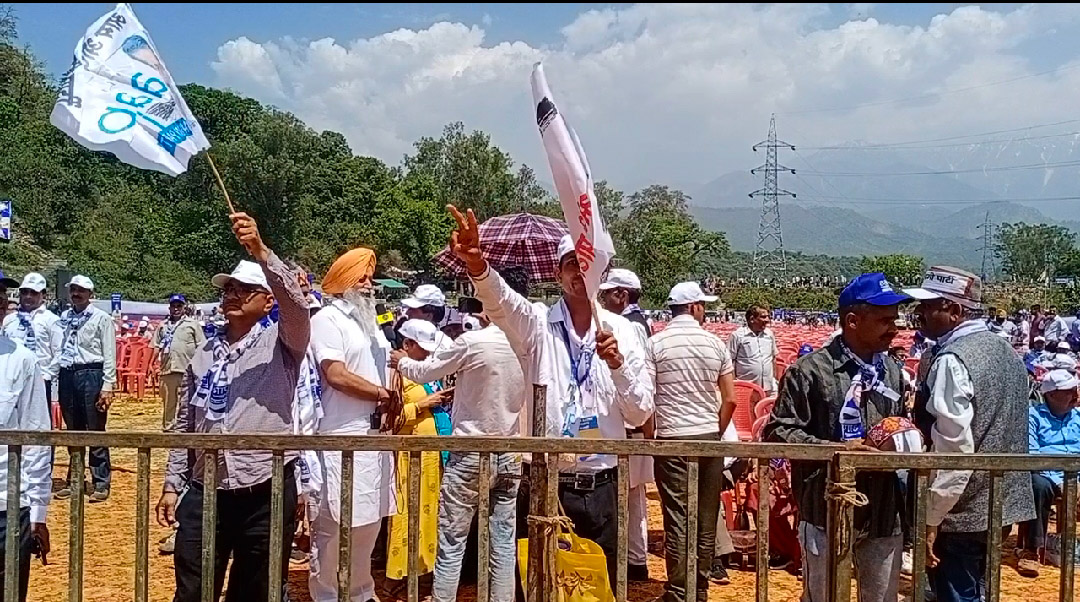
11,541
537,578
840,532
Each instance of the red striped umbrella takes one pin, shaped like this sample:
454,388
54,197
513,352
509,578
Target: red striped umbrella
522,239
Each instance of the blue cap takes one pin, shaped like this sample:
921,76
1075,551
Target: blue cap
872,289
7,282
805,349
177,298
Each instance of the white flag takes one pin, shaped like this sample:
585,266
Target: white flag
574,184
119,97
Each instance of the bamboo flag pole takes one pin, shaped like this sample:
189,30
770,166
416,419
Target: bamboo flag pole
221,183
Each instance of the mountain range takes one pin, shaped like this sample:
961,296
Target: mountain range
926,199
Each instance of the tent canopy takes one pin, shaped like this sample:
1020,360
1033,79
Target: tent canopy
390,283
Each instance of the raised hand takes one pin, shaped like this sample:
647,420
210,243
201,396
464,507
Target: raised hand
247,233
465,241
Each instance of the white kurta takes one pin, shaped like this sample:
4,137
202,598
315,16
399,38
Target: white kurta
336,336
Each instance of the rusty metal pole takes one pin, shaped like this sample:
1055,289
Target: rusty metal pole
840,531
537,571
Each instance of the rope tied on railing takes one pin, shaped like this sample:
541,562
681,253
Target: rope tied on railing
551,524
845,494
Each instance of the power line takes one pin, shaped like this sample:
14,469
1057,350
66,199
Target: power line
847,200
944,172
877,103
904,146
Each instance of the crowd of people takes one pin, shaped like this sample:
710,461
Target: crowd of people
289,359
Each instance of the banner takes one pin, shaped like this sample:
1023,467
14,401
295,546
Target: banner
118,97
574,184
116,302
5,219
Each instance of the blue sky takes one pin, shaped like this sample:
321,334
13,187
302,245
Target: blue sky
658,93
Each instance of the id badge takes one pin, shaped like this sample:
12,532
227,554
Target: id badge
588,428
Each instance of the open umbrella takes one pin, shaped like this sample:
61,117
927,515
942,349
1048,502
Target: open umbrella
521,239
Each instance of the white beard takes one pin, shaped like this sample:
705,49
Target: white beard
363,305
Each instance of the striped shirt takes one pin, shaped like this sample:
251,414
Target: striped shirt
686,362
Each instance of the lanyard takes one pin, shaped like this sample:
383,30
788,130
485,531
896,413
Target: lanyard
584,357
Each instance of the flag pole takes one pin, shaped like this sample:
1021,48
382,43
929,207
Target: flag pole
221,183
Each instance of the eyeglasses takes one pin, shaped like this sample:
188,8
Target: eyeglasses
244,293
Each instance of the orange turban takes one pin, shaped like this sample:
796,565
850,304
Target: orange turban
354,267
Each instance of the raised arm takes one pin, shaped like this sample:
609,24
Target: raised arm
503,305
294,328
437,366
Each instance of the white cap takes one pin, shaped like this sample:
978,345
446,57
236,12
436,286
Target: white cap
471,323
566,246
425,294
81,282
33,281
954,284
1058,380
144,323
1064,346
685,293
246,272
421,331
620,278
1039,340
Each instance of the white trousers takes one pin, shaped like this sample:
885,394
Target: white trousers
637,550
324,560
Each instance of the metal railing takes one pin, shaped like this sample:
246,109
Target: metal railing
543,480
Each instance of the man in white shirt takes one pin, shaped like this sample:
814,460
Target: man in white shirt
352,355
974,400
753,350
37,328
619,294
1056,328
596,381
487,402
87,375
429,303
23,407
695,399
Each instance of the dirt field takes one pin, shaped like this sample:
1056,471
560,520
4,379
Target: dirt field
109,556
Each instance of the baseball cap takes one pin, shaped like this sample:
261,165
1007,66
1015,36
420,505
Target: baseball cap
452,316
620,278
421,331
872,289
566,246
425,294
33,281
246,272
1039,340
954,284
1064,346
1058,380
685,293
81,282
470,323
177,298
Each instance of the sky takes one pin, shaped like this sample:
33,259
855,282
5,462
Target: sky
670,94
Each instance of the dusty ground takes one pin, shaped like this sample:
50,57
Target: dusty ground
109,556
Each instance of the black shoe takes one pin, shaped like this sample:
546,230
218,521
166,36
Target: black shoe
637,573
719,574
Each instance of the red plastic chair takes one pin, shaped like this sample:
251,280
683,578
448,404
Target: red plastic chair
764,407
746,395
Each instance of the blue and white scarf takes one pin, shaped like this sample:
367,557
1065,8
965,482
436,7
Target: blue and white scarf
168,329
213,391
26,325
71,324
869,378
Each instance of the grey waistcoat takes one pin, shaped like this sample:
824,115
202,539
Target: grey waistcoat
998,426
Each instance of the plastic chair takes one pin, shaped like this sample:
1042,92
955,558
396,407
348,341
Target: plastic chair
134,377
913,363
746,395
759,426
764,407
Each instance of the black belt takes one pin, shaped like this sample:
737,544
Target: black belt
258,488
90,366
586,481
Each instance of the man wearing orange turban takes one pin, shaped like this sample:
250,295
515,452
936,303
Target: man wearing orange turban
354,267
352,355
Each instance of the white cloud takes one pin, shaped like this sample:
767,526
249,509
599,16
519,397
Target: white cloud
670,93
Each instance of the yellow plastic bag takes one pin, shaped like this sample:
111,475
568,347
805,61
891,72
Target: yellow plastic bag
580,569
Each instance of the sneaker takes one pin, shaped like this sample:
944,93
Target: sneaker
637,573
168,545
1028,565
719,574
907,565
99,495
297,555
64,493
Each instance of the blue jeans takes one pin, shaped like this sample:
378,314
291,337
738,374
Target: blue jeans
458,500
959,574
80,387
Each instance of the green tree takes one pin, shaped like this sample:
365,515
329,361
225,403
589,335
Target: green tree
1031,252
661,242
900,269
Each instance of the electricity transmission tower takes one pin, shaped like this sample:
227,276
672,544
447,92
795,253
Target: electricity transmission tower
770,261
989,270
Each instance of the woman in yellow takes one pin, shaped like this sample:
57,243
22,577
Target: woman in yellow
418,419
